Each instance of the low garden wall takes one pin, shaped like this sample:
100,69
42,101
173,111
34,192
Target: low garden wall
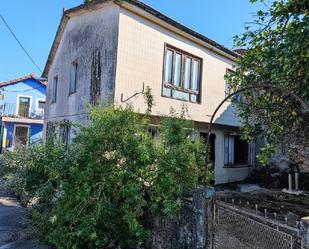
191,229
204,222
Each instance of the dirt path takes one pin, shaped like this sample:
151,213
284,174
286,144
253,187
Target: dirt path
14,230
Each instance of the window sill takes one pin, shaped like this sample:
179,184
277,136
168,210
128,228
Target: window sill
185,91
73,92
237,166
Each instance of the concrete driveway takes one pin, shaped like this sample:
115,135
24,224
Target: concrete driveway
14,230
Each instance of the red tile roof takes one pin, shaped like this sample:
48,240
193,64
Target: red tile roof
30,76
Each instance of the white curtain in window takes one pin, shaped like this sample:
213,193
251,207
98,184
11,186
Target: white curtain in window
168,66
228,150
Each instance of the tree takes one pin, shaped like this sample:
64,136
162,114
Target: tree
277,43
97,192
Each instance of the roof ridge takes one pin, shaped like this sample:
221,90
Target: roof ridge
26,77
143,6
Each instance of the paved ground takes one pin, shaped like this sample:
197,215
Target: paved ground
14,231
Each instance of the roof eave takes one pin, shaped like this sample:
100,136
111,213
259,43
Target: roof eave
27,77
165,21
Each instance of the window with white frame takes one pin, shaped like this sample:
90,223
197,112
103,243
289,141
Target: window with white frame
181,75
237,151
24,105
54,89
73,77
41,104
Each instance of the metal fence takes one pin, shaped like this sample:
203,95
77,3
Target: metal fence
21,111
235,228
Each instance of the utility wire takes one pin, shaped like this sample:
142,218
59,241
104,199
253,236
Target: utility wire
23,48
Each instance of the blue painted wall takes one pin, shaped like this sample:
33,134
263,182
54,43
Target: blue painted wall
27,88
36,131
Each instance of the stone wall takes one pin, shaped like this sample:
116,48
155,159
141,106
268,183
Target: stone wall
191,229
304,228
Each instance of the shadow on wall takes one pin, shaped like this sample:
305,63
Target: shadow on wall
228,116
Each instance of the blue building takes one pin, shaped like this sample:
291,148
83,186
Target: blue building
22,103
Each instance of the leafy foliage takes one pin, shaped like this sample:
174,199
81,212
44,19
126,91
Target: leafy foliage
277,42
96,193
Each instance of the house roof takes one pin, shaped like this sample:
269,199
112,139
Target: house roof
136,3
27,77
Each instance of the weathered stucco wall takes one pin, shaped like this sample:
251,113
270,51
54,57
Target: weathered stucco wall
90,39
140,59
116,51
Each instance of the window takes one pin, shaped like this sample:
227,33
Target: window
54,89
182,75
236,151
168,66
177,70
73,78
41,104
228,88
24,106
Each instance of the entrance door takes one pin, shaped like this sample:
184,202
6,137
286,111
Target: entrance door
24,106
21,135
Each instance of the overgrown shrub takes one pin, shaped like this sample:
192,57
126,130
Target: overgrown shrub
95,193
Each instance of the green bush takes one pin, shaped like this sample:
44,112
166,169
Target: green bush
95,193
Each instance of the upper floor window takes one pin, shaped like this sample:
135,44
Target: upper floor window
182,75
24,106
54,89
73,77
228,87
41,104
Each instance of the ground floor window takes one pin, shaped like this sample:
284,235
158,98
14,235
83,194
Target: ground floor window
236,150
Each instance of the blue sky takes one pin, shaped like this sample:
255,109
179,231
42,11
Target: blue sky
35,23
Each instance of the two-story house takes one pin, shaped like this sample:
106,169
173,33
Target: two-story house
22,111
107,50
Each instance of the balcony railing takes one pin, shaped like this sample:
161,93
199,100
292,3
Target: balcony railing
21,111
